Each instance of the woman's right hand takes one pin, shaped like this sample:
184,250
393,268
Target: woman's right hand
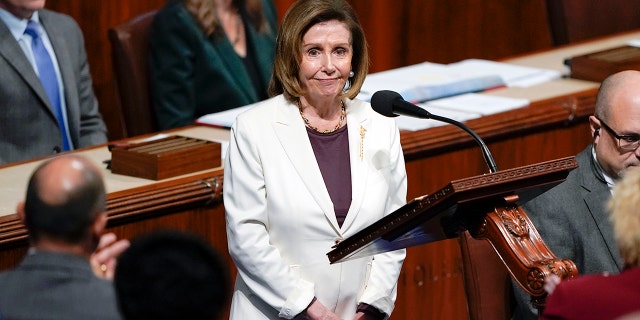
317,311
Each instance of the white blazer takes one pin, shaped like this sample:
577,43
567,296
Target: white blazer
280,218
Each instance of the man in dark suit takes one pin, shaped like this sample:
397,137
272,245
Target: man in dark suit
572,217
29,125
64,213
605,296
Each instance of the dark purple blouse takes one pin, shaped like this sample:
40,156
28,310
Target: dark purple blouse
332,155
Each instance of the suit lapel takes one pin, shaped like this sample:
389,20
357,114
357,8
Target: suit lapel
263,47
233,63
13,54
358,126
292,135
596,208
597,194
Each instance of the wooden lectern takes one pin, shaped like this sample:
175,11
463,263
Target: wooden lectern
487,207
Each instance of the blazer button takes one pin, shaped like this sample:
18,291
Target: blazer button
57,149
338,240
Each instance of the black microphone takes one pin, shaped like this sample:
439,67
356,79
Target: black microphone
391,104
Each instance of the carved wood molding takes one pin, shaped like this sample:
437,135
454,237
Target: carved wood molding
139,203
193,192
518,243
514,175
12,231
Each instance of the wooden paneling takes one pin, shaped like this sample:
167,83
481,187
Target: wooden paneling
411,31
577,20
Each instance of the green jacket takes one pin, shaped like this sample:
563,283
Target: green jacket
192,75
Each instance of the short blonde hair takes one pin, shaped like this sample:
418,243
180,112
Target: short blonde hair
624,212
300,17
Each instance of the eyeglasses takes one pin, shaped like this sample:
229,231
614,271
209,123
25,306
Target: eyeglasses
627,142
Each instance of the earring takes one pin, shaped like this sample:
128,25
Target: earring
347,84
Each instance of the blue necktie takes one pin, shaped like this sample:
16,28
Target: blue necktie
48,78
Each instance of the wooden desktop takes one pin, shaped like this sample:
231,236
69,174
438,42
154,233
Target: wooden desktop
554,125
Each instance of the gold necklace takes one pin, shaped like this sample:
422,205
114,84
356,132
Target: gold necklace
343,115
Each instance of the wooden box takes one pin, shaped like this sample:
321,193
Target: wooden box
165,158
597,66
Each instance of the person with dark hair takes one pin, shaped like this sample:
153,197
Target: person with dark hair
307,168
46,93
208,56
171,275
64,213
571,217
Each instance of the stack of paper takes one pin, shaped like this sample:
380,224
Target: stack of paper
461,108
512,75
429,81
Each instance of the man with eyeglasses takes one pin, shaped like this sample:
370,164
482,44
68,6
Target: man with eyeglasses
571,217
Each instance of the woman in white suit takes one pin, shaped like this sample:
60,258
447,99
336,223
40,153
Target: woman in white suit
307,168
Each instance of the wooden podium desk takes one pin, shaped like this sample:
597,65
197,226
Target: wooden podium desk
553,126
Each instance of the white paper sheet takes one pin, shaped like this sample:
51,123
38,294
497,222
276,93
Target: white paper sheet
479,103
223,119
428,81
512,75
460,108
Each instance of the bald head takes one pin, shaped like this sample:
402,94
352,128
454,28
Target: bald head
616,121
621,85
64,197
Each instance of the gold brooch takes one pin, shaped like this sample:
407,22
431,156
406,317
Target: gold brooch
362,132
